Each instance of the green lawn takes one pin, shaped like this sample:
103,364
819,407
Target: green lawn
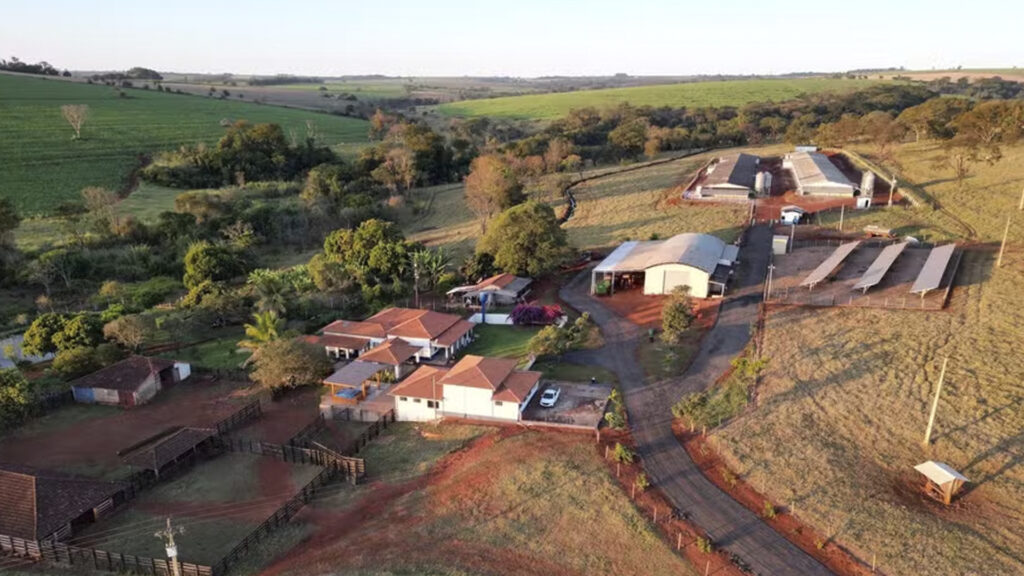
690,95
501,341
41,166
570,372
220,354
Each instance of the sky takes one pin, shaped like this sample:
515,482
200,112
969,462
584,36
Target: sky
524,38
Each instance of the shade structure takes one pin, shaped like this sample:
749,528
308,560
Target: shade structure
935,266
880,266
826,268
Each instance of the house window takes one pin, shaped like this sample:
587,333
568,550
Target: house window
417,400
403,399
497,402
432,404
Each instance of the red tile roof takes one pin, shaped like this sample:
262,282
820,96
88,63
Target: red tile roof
517,386
337,341
127,375
456,331
400,322
425,382
350,328
36,503
479,372
393,352
500,281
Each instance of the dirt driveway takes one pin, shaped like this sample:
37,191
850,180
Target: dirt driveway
579,404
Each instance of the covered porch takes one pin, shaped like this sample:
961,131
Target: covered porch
350,385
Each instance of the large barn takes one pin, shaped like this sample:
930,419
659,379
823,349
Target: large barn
130,382
816,175
699,262
731,176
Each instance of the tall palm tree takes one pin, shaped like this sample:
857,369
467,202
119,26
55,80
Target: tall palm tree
266,328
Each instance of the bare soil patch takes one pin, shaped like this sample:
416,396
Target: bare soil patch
86,438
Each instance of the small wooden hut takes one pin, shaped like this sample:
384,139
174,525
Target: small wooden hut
943,482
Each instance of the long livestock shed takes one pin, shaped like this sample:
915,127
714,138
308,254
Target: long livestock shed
934,269
830,265
880,266
816,175
699,262
733,175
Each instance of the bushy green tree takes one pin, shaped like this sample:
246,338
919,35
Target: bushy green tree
80,331
288,363
210,262
526,240
75,362
15,397
38,339
677,315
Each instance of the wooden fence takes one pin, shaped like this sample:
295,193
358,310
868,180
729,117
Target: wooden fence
311,430
91,558
370,433
352,469
250,411
282,516
52,401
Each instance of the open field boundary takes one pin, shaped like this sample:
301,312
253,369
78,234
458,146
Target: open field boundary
908,190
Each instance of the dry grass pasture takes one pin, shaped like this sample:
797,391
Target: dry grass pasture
453,499
839,419
635,205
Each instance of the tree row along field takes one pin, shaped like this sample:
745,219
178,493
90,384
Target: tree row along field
694,94
42,166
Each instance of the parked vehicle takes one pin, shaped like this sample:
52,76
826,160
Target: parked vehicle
549,397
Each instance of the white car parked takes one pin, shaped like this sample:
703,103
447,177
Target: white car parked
549,397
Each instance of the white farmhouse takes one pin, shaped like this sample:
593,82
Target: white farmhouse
475,387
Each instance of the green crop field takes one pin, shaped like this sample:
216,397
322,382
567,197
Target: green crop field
41,166
694,94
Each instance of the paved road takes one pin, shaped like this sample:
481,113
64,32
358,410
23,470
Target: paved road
730,524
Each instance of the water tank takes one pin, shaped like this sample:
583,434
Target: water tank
867,184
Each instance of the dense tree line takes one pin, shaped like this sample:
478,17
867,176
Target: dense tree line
41,68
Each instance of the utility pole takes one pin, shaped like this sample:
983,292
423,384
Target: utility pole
1021,205
1002,247
842,213
935,404
167,536
892,189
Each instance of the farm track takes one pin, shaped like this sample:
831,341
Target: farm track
730,524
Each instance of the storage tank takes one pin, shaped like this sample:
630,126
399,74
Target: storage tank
759,183
867,184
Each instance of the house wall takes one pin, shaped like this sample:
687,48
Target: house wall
410,410
148,390
468,402
104,396
828,190
663,278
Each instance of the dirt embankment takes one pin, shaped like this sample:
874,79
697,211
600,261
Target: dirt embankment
822,548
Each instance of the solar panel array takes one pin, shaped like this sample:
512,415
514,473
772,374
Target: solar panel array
930,276
830,264
880,266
